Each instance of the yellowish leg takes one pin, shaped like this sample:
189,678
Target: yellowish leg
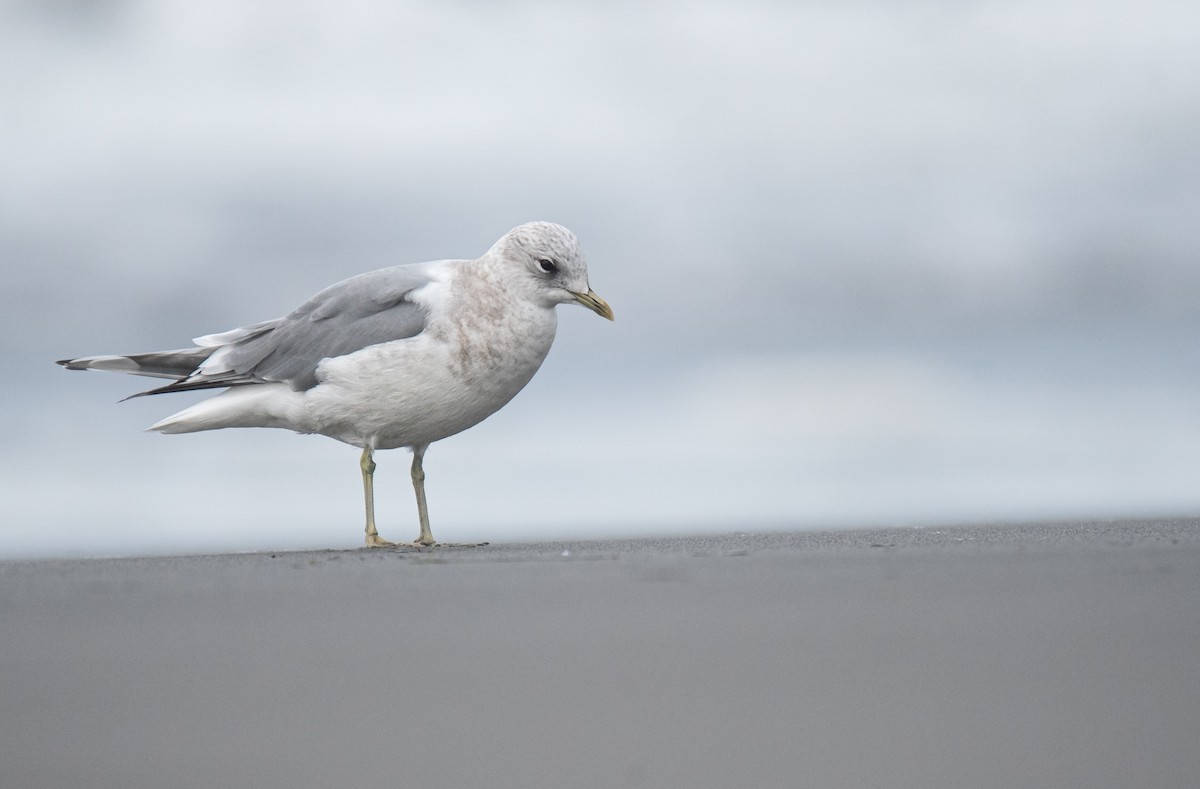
418,480
367,463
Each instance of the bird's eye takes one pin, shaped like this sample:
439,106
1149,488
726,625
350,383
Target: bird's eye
548,266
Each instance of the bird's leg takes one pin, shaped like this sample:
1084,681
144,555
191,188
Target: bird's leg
418,480
367,464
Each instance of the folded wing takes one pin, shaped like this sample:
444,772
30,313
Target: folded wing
356,313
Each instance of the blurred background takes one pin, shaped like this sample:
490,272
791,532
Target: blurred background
872,263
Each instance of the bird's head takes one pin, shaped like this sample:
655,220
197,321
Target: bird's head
550,256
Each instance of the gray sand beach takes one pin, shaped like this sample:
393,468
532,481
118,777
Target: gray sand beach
1051,655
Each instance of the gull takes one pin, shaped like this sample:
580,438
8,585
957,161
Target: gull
399,357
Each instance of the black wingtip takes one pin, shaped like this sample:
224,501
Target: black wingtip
171,387
185,385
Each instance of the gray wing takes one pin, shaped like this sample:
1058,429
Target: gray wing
365,310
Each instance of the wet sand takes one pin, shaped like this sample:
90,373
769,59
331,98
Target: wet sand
1050,655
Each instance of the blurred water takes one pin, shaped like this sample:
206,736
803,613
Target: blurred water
871,264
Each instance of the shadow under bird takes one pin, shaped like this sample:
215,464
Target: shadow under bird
399,357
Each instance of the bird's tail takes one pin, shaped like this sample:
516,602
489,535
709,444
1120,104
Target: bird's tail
159,364
264,405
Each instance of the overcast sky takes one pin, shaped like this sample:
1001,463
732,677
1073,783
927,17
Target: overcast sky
872,263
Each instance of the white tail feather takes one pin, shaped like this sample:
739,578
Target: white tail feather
260,405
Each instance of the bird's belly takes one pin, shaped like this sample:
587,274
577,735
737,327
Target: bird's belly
415,391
